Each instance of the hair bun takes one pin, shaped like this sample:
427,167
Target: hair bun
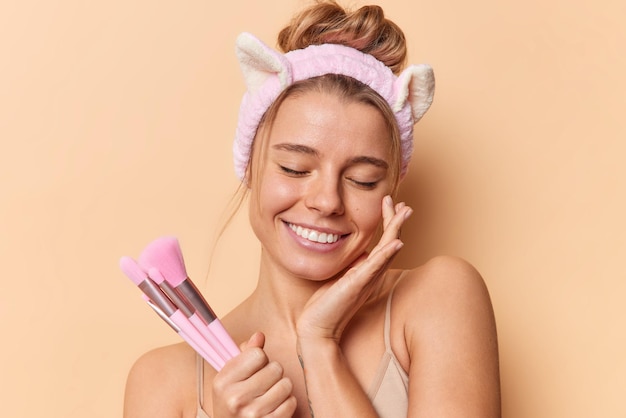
365,29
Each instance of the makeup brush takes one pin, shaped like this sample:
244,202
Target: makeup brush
165,255
188,310
180,332
164,307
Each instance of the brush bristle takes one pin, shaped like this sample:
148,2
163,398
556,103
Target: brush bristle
132,270
156,275
165,255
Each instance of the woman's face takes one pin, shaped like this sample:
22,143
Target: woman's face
326,170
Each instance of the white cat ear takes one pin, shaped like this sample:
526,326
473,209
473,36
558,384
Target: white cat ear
416,84
258,62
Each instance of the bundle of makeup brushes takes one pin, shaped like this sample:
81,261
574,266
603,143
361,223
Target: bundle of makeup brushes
161,275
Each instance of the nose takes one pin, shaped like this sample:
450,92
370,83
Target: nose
324,195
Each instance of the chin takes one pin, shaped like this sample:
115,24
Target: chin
312,271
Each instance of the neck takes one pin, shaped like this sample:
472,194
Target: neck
280,297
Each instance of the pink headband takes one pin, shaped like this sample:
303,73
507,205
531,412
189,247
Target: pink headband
267,73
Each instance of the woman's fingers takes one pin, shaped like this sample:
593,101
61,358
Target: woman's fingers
394,217
388,210
244,365
251,385
256,340
259,395
367,268
260,382
389,244
285,409
377,261
271,401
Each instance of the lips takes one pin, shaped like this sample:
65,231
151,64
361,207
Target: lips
313,235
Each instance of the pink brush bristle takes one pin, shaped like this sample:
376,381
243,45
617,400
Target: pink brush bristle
165,255
132,270
156,275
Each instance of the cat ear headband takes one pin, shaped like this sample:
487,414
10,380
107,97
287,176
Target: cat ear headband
268,72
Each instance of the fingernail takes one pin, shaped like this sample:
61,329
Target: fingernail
408,213
399,245
388,200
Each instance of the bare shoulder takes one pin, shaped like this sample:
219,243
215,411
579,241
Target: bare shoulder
446,294
161,382
446,335
443,284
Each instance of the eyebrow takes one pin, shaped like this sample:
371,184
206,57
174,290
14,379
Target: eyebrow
303,149
370,160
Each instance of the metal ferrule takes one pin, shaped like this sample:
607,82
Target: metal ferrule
191,293
163,316
185,306
156,295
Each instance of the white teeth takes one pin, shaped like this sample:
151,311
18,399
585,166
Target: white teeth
313,235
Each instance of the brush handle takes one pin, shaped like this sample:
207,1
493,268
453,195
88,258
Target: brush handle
214,359
198,349
209,336
177,323
190,293
222,335
189,300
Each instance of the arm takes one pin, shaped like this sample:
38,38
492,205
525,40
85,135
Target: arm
450,336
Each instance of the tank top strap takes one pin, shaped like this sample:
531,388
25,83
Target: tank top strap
200,412
387,326
200,379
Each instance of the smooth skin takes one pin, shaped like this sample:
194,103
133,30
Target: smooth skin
312,331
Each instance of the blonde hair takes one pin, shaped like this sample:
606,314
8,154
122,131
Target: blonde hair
365,29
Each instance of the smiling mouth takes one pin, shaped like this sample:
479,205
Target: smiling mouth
313,235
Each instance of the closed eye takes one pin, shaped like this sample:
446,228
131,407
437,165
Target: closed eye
292,172
364,184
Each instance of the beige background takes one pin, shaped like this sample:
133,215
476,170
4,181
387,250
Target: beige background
116,121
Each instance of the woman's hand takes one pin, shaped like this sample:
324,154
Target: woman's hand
251,385
330,309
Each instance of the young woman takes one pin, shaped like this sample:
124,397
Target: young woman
323,140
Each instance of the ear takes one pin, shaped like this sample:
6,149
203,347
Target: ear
258,62
416,84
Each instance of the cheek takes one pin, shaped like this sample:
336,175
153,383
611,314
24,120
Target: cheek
367,213
275,194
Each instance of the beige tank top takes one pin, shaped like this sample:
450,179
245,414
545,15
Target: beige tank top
389,391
